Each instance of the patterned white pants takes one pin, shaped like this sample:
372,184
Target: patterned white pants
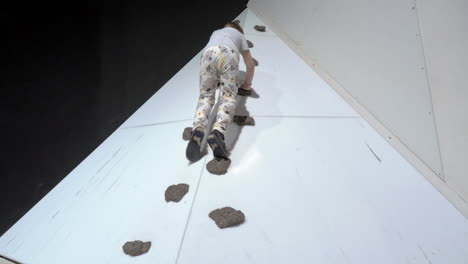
219,67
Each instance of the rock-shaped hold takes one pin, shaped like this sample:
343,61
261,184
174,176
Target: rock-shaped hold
250,44
187,135
244,120
255,62
136,248
175,193
218,166
260,28
227,217
243,92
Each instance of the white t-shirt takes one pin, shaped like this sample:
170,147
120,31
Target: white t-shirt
229,37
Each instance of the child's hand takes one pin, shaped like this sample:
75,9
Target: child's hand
246,86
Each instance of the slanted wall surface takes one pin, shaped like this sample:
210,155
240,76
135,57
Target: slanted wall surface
315,182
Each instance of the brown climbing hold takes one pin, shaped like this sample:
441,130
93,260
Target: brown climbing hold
260,28
243,92
227,217
250,44
175,193
255,62
244,120
218,166
136,248
187,135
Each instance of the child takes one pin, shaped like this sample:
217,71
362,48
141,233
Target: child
219,67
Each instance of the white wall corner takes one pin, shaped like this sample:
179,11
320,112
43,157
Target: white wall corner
435,178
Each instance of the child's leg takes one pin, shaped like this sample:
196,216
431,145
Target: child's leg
229,86
208,81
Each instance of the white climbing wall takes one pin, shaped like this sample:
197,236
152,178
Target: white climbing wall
402,65
373,49
445,37
317,185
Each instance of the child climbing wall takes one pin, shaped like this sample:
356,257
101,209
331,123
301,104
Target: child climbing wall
219,68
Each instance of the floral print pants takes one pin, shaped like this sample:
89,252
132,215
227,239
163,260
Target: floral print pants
219,67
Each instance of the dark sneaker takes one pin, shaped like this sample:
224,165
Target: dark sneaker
193,151
244,92
216,142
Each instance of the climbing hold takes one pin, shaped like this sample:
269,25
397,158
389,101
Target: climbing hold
175,193
218,166
255,62
260,28
187,135
244,120
227,217
136,248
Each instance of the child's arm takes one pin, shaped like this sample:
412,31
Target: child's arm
249,63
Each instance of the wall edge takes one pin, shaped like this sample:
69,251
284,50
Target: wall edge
450,194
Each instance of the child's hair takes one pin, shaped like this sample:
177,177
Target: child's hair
235,25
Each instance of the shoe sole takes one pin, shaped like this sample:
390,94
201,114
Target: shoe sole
193,152
218,147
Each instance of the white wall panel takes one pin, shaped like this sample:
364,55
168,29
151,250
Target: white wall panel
373,50
444,29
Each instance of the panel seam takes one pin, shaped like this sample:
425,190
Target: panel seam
156,124
190,212
426,69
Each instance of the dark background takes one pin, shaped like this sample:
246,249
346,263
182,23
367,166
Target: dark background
74,72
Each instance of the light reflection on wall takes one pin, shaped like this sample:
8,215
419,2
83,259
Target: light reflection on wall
247,161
